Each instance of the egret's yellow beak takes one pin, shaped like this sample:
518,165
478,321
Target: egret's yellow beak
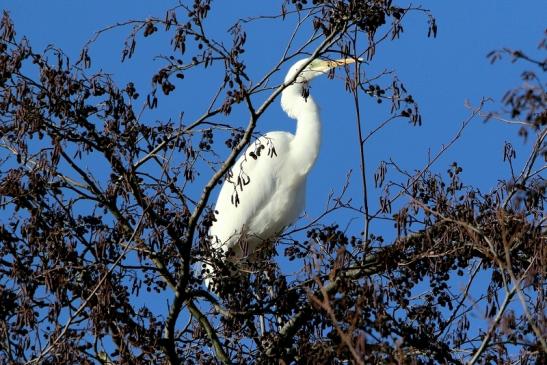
325,65
342,62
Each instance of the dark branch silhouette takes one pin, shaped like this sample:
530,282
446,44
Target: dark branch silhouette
102,211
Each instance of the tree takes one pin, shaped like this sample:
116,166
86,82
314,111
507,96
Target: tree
81,243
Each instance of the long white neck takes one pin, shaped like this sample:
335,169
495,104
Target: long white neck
307,139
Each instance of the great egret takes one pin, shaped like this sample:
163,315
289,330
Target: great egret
265,190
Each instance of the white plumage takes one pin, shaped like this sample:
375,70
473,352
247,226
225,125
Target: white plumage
265,190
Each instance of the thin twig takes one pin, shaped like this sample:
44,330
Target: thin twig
87,299
362,162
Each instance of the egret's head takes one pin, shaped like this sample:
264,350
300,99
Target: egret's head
314,68
293,95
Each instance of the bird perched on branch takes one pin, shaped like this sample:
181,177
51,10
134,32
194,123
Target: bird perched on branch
265,190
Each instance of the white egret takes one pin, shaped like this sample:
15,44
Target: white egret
265,190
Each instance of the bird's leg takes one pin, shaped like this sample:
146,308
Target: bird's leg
262,325
261,319
277,318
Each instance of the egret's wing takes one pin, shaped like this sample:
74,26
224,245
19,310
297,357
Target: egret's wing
252,181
